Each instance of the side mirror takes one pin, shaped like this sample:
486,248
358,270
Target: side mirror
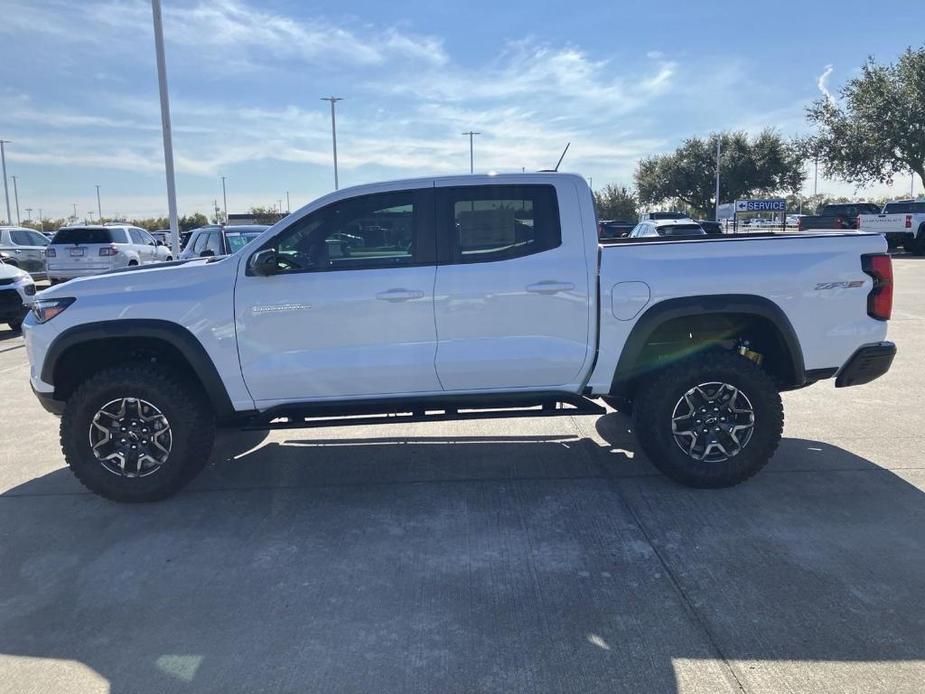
159,243
263,263
207,253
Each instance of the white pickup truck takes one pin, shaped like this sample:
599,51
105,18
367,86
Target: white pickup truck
452,298
902,222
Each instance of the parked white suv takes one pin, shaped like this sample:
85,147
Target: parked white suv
26,249
92,250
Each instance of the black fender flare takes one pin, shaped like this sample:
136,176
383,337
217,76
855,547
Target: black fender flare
177,336
670,309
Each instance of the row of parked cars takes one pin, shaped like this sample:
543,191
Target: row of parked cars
27,256
658,224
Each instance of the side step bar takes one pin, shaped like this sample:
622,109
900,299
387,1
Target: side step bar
425,410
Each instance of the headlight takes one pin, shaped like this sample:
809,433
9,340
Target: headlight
46,309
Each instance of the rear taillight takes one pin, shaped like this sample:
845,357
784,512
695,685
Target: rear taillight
838,223
50,253
908,221
880,300
800,224
109,250
857,222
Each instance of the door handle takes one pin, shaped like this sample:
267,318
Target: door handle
395,295
550,287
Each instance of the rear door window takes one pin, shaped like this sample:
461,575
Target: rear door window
488,223
21,237
137,237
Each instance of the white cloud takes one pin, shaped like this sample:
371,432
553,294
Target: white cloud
823,82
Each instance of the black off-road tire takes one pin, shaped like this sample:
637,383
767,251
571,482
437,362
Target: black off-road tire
654,406
619,404
186,408
16,324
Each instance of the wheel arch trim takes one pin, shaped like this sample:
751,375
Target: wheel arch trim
177,336
670,309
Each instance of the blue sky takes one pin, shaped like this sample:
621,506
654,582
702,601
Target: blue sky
78,89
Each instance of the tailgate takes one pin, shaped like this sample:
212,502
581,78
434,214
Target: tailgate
881,223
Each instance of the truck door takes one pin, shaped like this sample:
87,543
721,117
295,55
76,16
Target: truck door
512,295
350,311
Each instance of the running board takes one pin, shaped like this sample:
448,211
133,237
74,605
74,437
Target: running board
427,410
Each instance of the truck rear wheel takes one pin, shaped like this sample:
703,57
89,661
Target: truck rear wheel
136,432
710,421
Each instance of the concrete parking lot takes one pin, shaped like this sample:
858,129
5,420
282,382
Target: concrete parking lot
534,555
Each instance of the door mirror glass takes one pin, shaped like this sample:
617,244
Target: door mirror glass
265,263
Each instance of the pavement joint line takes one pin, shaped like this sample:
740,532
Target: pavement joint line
10,349
688,606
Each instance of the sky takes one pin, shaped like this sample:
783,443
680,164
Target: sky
619,80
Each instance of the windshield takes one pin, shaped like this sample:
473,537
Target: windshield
82,235
239,239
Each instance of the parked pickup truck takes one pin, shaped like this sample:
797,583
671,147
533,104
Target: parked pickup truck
463,297
837,216
902,222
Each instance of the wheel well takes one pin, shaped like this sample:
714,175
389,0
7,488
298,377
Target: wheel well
684,336
80,361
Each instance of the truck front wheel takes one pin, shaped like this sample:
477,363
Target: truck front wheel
710,421
136,432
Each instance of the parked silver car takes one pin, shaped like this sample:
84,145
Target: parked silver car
26,250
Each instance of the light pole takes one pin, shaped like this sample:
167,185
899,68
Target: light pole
333,100
470,133
288,208
165,126
815,176
16,197
225,199
718,155
75,210
6,189
41,220
99,205
29,212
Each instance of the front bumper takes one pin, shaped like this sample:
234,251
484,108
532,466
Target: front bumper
47,401
866,364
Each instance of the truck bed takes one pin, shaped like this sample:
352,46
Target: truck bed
815,279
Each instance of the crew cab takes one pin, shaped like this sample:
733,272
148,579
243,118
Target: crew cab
902,222
449,298
836,216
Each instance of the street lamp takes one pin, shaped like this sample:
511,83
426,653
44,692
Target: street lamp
165,126
99,205
225,199
6,189
16,197
333,100
470,133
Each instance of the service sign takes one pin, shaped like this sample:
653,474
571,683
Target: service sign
761,205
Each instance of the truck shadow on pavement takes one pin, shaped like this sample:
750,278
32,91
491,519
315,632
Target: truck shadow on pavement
471,563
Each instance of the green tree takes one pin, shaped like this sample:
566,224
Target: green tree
266,215
765,165
615,202
877,130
